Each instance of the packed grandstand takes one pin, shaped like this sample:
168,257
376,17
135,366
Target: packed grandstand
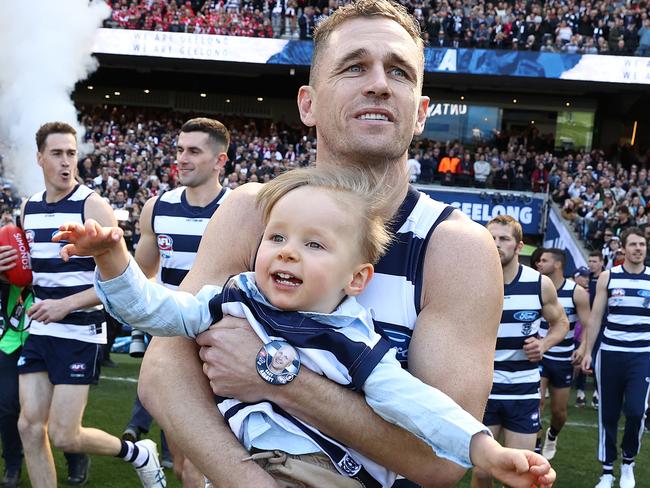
603,26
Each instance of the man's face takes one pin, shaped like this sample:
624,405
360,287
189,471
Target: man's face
546,264
635,249
282,358
506,243
59,162
594,264
366,100
198,158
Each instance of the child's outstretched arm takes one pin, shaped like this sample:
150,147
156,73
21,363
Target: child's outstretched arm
517,468
104,244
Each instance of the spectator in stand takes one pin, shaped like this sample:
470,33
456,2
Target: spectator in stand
448,168
414,168
306,24
539,178
464,170
481,170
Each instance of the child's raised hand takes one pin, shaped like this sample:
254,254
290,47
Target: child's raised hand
90,239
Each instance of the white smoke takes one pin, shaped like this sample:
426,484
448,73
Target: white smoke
45,48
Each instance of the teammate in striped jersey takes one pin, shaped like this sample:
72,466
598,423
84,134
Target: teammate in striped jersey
623,362
513,405
556,368
172,225
324,229
60,357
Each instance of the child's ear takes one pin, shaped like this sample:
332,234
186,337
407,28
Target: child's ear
360,279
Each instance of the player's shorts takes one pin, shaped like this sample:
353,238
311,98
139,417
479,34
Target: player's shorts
521,416
66,361
558,373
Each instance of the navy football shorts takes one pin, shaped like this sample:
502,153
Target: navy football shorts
558,373
521,416
66,361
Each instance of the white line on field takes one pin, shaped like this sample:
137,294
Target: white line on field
119,378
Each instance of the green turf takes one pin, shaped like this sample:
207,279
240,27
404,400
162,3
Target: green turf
110,405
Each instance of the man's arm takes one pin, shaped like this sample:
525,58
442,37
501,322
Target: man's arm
172,382
449,326
581,301
595,319
558,323
146,254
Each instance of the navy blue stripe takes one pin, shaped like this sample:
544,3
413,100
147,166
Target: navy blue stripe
58,292
511,342
172,276
65,205
628,344
630,311
58,265
419,275
522,288
399,338
184,242
95,317
551,354
628,328
514,389
402,257
44,235
508,316
514,366
304,332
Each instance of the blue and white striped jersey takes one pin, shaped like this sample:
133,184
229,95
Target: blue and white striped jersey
179,227
515,377
396,287
563,350
52,277
628,318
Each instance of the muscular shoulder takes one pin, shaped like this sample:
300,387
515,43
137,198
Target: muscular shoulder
96,208
460,250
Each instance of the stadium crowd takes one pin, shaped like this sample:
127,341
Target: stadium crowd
588,27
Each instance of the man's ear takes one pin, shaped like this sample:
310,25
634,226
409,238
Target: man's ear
360,279
423,107
306,105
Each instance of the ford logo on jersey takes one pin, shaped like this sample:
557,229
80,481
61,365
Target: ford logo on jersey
643,293
527,315
400,341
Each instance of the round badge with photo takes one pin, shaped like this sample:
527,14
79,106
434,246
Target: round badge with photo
278,362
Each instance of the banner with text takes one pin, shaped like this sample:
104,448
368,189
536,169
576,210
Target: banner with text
179,45
527,208
557,235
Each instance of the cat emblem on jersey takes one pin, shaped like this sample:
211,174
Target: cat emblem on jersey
278,362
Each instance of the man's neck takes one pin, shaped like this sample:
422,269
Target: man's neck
633,268
557,278
52,195
510,270
203,195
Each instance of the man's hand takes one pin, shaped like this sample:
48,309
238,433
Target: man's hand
578,355
8,257
90,239
47,311
585,365
228,351
534,349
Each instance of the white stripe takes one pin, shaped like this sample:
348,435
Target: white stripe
516,377
608,347
423,216
630,337
513,329
629,319
173,196
45,250
510,355
57,280
166,224
50,220
531,396
181,260
391,299
601,428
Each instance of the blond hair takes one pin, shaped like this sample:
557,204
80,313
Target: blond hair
511,222
358,187
365,9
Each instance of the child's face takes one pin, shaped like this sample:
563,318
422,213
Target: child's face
309,256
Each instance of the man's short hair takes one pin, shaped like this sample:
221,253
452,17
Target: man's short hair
558,254
355,188
631,231
52,128
217,132
365,9
511,222
596,254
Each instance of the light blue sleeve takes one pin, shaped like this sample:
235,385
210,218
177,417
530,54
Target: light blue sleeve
134,300
402,399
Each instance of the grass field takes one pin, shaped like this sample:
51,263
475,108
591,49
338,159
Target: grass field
110,407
